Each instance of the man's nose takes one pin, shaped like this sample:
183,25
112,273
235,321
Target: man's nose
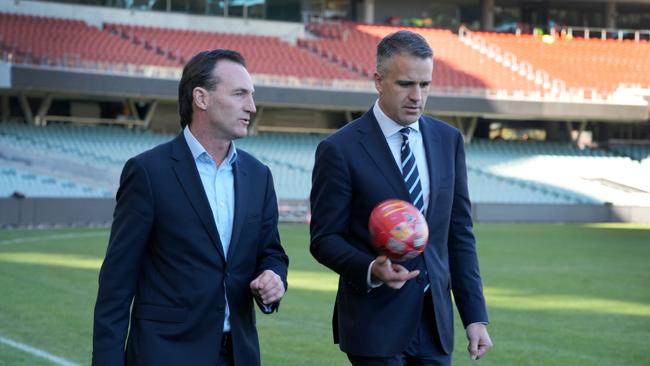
250,106
416,93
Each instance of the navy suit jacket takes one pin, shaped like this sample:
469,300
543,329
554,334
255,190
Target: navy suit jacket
353,172
165,258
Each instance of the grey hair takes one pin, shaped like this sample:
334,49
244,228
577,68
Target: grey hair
402,42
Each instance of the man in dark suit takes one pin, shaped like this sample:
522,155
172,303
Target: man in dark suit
194,237
388,313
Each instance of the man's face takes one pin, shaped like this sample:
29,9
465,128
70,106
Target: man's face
230,104
403,86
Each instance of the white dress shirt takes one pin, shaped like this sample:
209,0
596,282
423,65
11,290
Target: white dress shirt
391,129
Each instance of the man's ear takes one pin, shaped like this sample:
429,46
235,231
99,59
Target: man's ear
378,82
200,97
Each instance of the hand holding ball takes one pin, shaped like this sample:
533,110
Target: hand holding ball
398,230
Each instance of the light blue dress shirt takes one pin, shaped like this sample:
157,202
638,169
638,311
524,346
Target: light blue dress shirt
219,185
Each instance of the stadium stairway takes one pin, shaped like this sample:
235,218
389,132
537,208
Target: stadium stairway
338,51
265,55
577,60
457,67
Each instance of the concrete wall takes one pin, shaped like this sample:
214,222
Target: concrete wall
402,8
5,75
492,212
165,118
86,211
56,211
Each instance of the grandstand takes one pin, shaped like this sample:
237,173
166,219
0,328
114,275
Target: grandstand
64,42
82,91
457,66
520,169
577,61
27,183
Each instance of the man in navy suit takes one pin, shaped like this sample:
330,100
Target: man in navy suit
194,237
389,313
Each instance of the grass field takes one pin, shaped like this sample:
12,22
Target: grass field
557,295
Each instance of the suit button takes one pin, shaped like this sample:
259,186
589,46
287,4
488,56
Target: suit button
420,278
226,274
220,308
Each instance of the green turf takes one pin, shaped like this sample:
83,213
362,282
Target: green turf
557,295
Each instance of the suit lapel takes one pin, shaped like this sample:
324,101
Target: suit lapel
374,142
241,202
188,176
432,148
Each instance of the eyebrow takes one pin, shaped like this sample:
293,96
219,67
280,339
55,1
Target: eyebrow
411,82
245,90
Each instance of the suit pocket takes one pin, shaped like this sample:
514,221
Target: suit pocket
160,313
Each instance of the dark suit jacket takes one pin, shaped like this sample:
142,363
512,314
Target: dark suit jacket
354,171
165,255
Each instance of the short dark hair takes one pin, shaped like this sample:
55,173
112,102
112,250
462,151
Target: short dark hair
198,73
402,42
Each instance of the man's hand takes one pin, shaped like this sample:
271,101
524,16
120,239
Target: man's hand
268,287
479,340
392,275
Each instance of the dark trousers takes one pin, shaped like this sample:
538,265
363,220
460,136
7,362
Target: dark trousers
424,350
225,354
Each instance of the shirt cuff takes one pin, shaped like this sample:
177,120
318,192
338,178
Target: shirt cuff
266,308
372,284
484,323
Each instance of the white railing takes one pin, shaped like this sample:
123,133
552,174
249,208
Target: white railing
605,33
552,85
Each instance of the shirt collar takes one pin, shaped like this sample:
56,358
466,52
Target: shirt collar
387,125
197,149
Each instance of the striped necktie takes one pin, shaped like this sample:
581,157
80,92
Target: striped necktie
410,171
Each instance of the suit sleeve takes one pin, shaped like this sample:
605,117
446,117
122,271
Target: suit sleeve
270,254
132,222
464,267
331,204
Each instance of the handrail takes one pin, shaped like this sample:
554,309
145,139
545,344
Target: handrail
605,33
540,77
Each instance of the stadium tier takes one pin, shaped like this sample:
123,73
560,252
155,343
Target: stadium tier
593,175
602,65
62,42
636,152
499,171
338,51
103,146
17,180
456,64
265,55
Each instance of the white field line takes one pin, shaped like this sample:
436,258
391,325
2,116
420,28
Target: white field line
36,352
36,239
